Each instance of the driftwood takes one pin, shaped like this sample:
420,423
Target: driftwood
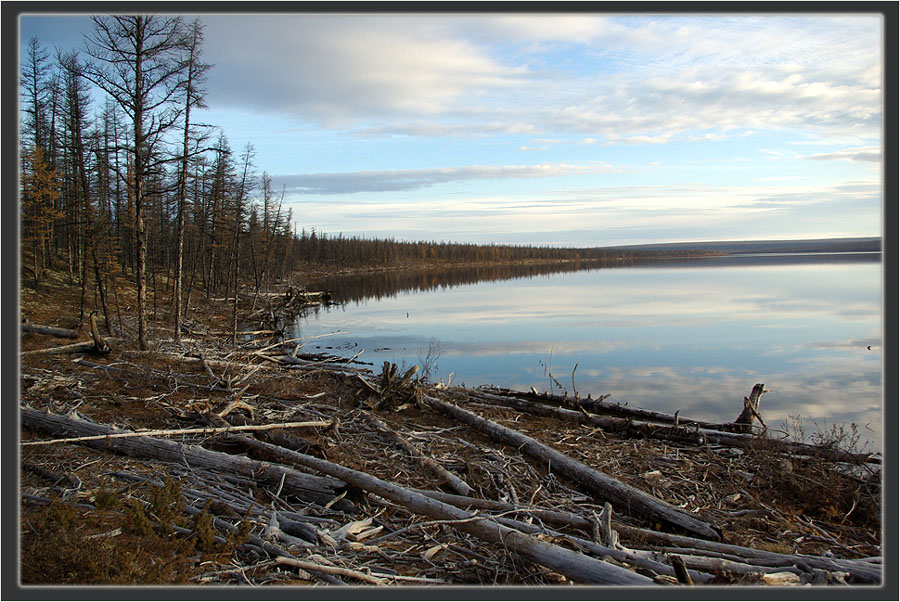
49,330
630,557
305,486
684,434
552,517
598,406
318,365
575,566
744,422
445,476
860,570
623,496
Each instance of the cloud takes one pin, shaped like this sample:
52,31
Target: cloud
338,68
623,79
411,179
866,153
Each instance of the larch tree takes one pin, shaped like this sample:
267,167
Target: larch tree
194,94
138,61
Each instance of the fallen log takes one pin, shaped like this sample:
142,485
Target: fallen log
599,406
573,565
552,517
49,330
82,347
684,434
625,497
445,476
318,365
860,570
631,557
305,486
187,431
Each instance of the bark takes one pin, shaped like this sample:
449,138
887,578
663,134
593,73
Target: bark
575,566
625,498
308,487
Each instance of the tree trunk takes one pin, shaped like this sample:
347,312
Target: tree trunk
308,487
49,330
575,566
625,498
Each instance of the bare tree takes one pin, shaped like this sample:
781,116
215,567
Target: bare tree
244,185
192,86
137,60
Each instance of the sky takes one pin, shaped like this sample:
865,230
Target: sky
569,129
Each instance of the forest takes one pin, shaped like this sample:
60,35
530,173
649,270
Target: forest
135,189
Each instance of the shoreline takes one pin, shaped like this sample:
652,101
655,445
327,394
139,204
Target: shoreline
173,387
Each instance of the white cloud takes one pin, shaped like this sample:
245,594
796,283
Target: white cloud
867,153
345,67
626,78
411,179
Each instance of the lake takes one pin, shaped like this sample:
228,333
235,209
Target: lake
689,335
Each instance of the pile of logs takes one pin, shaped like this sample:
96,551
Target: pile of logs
404,476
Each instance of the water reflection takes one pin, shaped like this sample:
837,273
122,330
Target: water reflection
668,336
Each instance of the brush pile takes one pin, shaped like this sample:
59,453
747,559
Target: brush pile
209,463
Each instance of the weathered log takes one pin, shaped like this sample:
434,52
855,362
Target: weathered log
681,570
49,330
302,485
187,431
445,476
253,540
100,346
599,406
625,497
684,434
553,517
619,555
82,347
318,365
744,422
575,566
860,570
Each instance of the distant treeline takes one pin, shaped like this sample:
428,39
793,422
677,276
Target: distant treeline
356,287
312,249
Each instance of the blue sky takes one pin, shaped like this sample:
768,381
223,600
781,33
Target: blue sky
577,129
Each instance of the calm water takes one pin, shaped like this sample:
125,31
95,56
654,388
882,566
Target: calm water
691,335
